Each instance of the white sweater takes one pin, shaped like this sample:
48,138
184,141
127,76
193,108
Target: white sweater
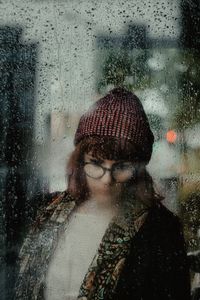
75,251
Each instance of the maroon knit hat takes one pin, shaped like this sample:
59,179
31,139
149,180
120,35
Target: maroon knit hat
119,114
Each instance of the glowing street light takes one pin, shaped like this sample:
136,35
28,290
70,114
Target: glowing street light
171,136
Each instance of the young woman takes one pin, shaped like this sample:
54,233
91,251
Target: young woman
108,236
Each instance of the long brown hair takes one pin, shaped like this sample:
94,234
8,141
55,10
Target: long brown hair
141,186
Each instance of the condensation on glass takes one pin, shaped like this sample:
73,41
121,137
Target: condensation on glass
57,58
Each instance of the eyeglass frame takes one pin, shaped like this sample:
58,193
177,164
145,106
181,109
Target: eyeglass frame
106,169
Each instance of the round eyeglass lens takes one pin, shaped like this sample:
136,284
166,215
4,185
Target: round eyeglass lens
123,172
93,170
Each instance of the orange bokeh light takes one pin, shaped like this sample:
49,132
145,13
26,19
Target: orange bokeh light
171,136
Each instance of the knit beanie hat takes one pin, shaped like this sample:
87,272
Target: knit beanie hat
120,115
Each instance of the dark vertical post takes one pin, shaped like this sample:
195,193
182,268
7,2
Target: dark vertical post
18,62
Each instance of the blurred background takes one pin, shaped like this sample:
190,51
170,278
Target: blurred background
56,59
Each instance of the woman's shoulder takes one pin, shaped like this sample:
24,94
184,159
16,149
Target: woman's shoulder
49,206
47,201
163,218
52,212
162,230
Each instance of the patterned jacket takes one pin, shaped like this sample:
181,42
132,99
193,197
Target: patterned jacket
139,257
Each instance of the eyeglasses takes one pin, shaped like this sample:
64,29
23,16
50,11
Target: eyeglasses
120,171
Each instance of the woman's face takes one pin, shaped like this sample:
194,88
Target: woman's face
101,183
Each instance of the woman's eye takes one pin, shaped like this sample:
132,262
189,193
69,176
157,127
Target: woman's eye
119,167
95,161
124,166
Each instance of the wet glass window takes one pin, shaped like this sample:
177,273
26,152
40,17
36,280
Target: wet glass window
56,59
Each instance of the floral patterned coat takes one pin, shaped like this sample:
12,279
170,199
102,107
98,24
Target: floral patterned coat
139,257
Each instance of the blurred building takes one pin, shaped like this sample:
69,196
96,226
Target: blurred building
18,178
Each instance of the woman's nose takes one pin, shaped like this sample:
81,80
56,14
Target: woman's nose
107,178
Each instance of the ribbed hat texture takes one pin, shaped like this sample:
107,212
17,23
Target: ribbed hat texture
119,114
